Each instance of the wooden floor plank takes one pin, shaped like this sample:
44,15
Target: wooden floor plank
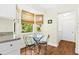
64,48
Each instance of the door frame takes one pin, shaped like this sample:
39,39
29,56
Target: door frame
76,25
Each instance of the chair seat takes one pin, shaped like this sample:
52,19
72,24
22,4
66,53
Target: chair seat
42,42
30,45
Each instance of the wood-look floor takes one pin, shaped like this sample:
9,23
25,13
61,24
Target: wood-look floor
64,48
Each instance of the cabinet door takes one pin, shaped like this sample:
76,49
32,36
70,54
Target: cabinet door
8,10
16,44
13,52
7,14
10,48
6,25
5,46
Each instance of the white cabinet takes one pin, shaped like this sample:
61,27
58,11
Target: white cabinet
7,14
6,25
8,10
13,52
10,48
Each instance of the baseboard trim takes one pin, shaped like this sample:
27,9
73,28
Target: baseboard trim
53,44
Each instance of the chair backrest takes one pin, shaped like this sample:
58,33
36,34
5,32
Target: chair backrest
38,36
28,40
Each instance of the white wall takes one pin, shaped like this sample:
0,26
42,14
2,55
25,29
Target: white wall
77,36
51,29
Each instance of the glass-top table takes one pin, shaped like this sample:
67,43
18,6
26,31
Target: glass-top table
35,42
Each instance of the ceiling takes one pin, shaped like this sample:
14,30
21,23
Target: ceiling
54,7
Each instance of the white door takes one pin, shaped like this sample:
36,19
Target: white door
67,26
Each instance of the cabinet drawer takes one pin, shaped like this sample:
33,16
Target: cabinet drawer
10,46
16,44
13,52
5,46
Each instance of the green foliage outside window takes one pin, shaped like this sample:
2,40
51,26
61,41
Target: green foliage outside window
38,27
26,27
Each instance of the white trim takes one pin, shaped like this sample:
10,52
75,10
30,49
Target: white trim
53,44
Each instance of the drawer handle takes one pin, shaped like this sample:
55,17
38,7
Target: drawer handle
11,45
0,54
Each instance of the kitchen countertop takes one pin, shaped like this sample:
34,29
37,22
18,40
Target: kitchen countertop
7,37
10,40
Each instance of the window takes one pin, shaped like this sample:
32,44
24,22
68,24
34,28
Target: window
27,21
39,22
39,19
